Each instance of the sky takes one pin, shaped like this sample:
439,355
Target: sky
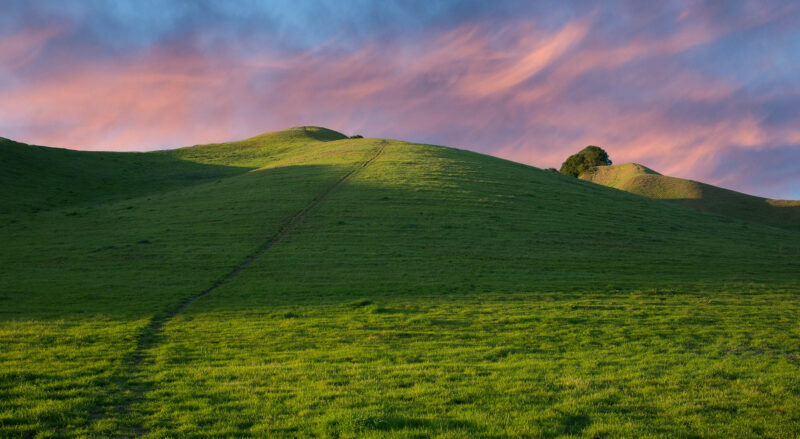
707,90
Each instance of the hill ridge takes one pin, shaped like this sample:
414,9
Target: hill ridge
69,177
641,180
75,177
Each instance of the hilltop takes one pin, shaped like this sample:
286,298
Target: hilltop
303,283
638,179
38,178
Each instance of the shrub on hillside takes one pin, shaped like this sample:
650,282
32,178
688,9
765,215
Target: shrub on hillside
586,159
357,136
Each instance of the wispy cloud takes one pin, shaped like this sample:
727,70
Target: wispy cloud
22,47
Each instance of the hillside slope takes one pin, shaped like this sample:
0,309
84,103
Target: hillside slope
38,178
310,284
638,179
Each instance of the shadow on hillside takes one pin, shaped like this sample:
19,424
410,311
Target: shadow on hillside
37,178
131,257
723,202
379,242
380,239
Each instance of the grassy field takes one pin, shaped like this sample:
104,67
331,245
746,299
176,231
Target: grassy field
641,180
432,293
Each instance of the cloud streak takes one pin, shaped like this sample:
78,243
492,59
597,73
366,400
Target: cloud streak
528,88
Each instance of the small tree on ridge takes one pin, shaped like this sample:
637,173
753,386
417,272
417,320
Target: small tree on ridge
585,160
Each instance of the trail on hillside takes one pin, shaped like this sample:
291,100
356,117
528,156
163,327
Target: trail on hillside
150,334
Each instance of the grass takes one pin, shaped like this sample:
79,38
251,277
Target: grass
638,179
490,365
435,292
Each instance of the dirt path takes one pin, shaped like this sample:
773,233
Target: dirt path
151,332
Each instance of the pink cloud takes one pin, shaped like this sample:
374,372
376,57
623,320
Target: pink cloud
518,67
21,48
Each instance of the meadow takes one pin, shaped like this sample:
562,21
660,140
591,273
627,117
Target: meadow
279,287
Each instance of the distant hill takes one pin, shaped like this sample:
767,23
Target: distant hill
638,179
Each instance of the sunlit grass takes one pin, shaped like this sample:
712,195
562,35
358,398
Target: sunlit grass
522,364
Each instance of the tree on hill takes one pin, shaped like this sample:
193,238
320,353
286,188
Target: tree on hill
585,160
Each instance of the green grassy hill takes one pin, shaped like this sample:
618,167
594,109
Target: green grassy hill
301,283
37,178
635,178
